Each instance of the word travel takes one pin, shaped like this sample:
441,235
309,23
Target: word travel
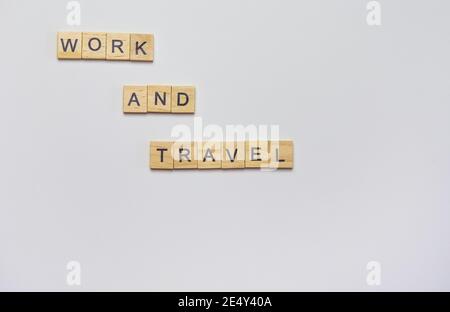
221,155
159,99
105,46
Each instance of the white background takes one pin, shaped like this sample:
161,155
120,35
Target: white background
367,108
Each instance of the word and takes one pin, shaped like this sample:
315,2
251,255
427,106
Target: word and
105,46
159,99
221,155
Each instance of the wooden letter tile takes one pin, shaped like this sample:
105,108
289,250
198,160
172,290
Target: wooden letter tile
159,98
233,155
185,155
141,47
94,46
135,99
69,45
161,155
209,155
117,47
183,99
257,154
281,154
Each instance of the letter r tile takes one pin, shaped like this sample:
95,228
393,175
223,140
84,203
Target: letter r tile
117,46
185,155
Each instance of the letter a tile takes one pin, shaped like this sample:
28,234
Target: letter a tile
135,99
209,155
